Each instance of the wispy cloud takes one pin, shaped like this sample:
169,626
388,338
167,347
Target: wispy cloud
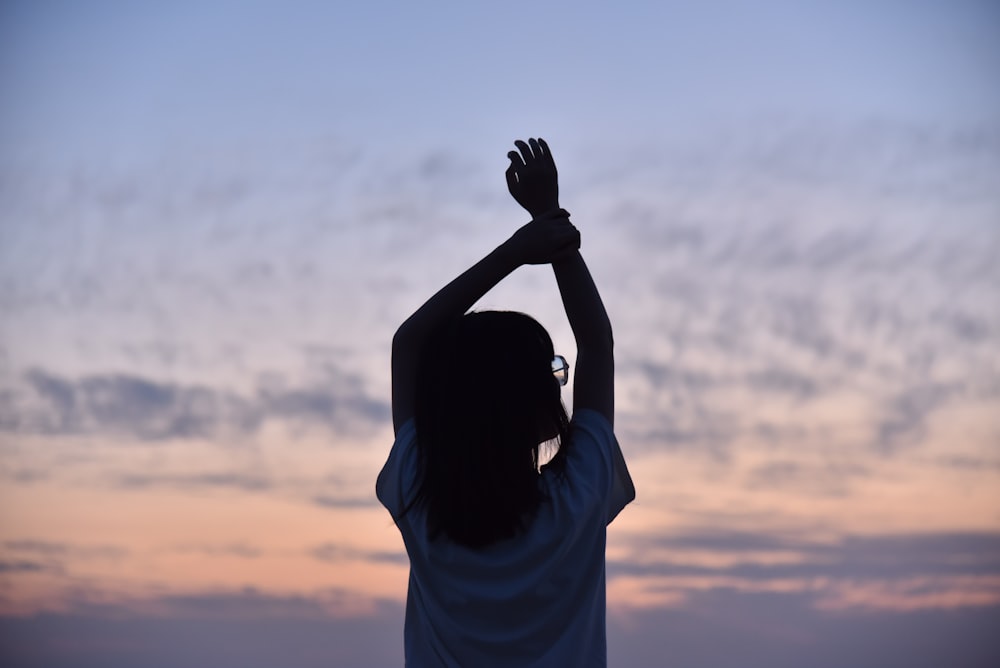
52,558
138,407
230,480
22,566
237,549
337,553
331,501
890,573
62,549
830,477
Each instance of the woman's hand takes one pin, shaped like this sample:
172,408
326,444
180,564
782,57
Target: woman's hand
532,178
548,238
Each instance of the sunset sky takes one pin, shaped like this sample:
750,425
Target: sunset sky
213,216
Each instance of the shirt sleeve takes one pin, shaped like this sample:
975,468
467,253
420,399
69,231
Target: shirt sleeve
597,455
396,475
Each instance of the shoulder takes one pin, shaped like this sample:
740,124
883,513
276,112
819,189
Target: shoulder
595,461
398,470
591,424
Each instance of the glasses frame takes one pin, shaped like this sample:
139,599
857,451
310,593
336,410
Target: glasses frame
560,370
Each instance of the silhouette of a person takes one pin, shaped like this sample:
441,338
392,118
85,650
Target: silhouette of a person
507,556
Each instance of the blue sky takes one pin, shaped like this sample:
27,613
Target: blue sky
213,216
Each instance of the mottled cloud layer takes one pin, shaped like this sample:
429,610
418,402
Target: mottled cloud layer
807,381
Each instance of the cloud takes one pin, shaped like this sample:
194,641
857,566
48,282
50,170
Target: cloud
680,378
63,550
327,501
10,567
828,478
244,603
320,406
850,556
785,260
252,603
969,463
895,573
784,630
783,381
247,629
124,404
335,553
240,481
721,628
238,550
674,377
710,432
21,557
152,410
904,418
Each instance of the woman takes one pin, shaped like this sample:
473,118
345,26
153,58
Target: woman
506,554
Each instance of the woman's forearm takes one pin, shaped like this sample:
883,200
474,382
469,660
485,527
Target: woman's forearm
582,302
594,387
459,295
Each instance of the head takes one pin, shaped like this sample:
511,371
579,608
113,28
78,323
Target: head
486,401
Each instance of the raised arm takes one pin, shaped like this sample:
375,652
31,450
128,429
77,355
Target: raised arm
533,181
541,241
594,386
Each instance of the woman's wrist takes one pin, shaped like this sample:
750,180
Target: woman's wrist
538,213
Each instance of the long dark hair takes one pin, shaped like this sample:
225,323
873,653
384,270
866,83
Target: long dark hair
486,401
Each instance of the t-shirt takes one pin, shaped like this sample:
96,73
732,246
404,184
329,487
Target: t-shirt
534,600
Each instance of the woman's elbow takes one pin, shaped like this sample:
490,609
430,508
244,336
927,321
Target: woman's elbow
404,333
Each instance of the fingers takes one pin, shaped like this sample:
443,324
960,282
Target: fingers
543,241
567,243
531,176
561,231
546,153
535,148
511,175
525,151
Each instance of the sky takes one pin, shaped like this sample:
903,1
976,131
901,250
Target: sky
214,215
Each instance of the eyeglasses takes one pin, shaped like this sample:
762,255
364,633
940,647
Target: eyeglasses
560,369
